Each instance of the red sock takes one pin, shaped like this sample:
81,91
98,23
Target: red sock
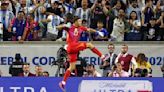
66,75
96,51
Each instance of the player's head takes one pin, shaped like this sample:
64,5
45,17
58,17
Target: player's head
77,21
124,48
69,17
100,24
111,48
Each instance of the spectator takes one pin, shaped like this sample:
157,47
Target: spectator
45,74
31,30
109,60
52,32
69,6
142,63
107,8
126,59
147,13
38,70
42,18
135,24
5,17
91,71
21,6
18,26
85,36
160,22
17,67
100,28
26,71
54,9
84,12
134,7
97,13
117,71
119,5
119,27
152,31
159,8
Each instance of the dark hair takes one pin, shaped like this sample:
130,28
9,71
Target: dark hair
84,20
46,72
125,45
135,13
100,21
32,15
26,63
69,17
75,19
67,1
92,65
141,58
21,12
111,44
123,6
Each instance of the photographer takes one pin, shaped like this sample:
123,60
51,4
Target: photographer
144,67
17,67
117,71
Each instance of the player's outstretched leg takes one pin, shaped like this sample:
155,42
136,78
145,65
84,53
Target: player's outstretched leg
95,50
67,75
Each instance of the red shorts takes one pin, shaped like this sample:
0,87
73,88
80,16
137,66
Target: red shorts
73,50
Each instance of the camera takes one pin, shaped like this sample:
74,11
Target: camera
141,73
61,57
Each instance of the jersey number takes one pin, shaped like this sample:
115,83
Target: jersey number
76,32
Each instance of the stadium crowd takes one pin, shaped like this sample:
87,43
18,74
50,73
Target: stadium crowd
118,20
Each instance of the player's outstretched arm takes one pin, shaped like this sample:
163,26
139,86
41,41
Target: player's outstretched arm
62,26
91,30
94,31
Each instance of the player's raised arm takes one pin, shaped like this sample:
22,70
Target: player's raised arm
94,31
60,27
91,30
63,26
